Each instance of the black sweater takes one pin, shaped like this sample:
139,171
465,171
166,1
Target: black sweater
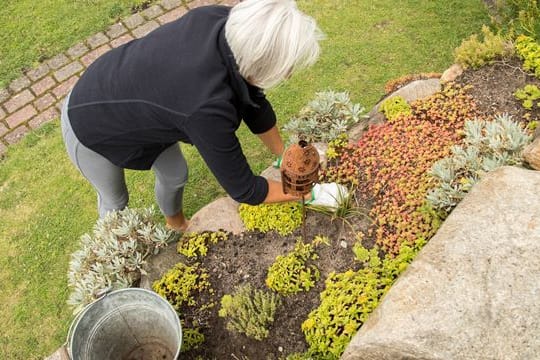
178,83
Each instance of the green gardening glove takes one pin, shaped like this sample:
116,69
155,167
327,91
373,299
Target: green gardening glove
277,163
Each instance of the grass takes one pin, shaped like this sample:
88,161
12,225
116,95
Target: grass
45,205
41,29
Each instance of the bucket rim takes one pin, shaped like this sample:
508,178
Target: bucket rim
106,293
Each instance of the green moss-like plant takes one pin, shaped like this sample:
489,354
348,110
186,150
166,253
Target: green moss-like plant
528,96
191,339
476,53
181,284
487,146
249,311
394,107
114,254
282,217
350,297
195,244
529,50
289,274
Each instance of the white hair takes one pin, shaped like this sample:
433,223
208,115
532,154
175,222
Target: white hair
271,39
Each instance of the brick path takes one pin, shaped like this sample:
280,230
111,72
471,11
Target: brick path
36,97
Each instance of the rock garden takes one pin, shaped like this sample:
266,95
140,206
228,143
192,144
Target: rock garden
290,281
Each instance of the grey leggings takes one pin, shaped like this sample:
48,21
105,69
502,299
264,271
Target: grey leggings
170,169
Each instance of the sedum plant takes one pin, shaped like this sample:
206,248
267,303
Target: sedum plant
281,217
289,274
529,51
394,107
324,118
476,53
195,244
113,255
487,146
528,96
249,311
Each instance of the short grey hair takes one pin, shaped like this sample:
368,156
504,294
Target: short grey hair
271,39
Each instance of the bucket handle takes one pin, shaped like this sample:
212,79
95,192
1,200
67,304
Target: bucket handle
98,296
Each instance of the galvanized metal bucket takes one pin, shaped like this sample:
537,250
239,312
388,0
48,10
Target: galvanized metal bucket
126,324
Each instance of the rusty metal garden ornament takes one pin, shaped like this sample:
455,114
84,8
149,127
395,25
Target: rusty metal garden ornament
299,168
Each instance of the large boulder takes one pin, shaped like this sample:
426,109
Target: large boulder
473,291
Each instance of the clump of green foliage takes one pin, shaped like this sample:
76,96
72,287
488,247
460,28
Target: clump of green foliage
476,53
528,95
180,284
517,16
350,297
335,145
195,244
290,274
487,146
249,311
191,339
113,256
324,118
529,50
281,217
395,106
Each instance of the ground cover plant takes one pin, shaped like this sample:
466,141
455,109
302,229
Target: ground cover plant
46,205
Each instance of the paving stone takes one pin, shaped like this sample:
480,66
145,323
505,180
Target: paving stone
44,102
64,88
60,354
170,4
16,135
121,40
152,12
58,61
4,95
21,116
18,101
116,30
3,130
198,3
67,71
145,29
19,84
229,2
89,58
3,148
133,21
2,114
172,15
77,50
43,85
97,40
44,117
38,73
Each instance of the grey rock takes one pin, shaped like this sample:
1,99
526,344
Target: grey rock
221,214
451,73
156,266
472,292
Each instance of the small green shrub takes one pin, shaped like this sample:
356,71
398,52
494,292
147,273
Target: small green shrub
249,311
529,50
114,254
281,217
181,284
394,107
191,339
289,274
476,53
324,118
517,16
528,95
487,146
350,297
194,244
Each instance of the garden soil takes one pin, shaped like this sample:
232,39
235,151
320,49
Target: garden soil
246,258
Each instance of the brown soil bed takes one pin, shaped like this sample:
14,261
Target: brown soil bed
245,259
493,89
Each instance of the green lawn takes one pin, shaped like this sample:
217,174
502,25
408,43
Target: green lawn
45,205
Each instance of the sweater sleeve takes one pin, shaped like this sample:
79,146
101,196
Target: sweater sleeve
260,118
213,134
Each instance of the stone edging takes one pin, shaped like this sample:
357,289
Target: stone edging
36,97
